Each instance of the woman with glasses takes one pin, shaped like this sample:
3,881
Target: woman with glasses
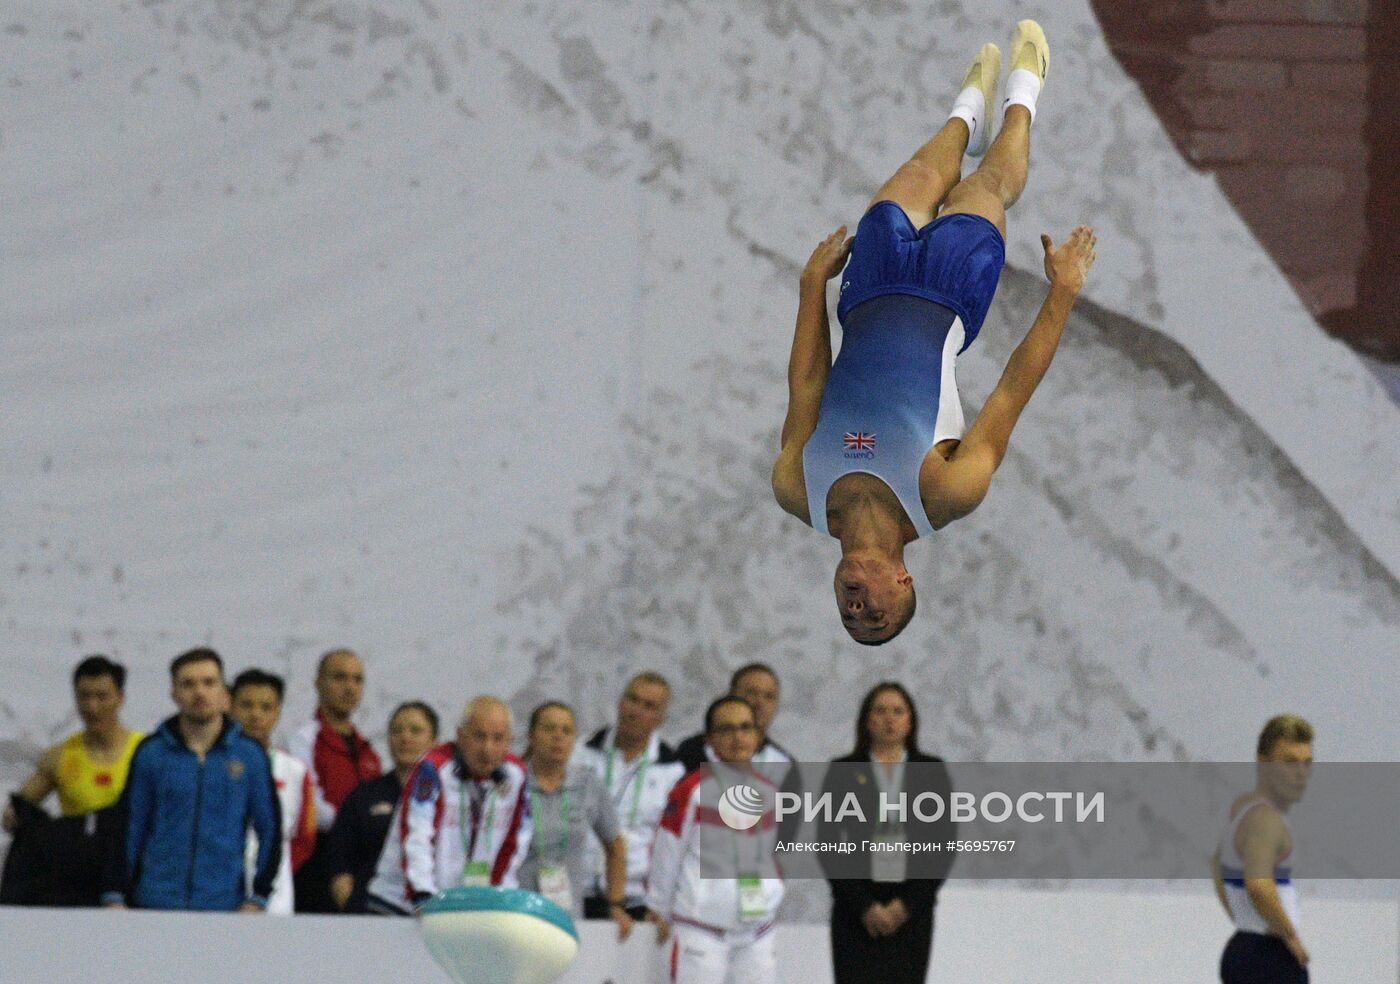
568,803
720,927
882,909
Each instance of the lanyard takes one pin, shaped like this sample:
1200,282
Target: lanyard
488,807
889,776
563,839
642,765
753,835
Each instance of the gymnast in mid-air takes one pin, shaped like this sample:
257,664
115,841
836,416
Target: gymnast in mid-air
873,448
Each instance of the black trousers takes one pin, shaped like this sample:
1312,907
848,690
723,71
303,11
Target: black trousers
1253,958
596,907
903,958
312,884
57,862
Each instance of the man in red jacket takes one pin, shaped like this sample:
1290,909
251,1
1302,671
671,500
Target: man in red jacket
339,759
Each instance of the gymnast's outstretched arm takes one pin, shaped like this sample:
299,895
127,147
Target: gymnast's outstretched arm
810,361
962,485
808,367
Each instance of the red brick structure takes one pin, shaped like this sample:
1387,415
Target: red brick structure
1283,100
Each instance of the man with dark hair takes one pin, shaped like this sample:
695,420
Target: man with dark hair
639,770
200,654
339,759
59,862
257,706
98,665
196,788
261,678
757,684
1252,869
87,769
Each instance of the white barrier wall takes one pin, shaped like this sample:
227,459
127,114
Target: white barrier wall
987,936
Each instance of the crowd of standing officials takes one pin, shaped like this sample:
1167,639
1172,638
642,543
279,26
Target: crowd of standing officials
206,812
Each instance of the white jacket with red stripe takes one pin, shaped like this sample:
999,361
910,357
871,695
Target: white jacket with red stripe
691,822
297,799
435,826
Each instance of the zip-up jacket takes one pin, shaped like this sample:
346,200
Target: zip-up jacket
338,763
296,799
773,760
446,819
639,790
695,751
679,890
183,824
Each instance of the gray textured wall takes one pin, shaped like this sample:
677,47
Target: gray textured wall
455,333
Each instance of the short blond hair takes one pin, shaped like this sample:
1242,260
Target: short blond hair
483,702
1284,727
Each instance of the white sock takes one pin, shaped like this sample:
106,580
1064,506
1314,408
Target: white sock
971,108
1022,89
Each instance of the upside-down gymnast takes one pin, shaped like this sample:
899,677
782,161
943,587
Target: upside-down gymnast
873,448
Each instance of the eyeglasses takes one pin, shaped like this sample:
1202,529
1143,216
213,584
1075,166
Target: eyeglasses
730,730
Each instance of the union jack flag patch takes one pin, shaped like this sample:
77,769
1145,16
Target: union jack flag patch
859,441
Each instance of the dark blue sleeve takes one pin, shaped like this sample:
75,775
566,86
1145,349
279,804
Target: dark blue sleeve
265,816
135,811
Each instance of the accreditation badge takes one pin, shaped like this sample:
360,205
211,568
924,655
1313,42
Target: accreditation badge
752,904
477,874
889,861
554,885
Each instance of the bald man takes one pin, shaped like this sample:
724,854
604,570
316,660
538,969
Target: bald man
338,758
463,817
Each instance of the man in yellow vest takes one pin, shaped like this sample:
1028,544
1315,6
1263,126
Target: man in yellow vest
88,769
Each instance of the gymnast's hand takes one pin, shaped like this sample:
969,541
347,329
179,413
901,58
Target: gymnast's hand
1068,265
828,259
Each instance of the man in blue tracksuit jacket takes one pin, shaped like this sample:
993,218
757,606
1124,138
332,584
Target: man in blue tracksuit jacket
195,788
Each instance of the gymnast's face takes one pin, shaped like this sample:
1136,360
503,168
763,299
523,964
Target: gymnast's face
875,597
1285,771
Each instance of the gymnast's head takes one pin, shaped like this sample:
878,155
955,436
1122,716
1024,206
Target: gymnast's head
874,595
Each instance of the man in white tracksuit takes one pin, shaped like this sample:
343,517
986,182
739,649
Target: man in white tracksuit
463,817
720,928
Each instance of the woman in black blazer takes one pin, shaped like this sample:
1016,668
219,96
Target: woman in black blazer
882,910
